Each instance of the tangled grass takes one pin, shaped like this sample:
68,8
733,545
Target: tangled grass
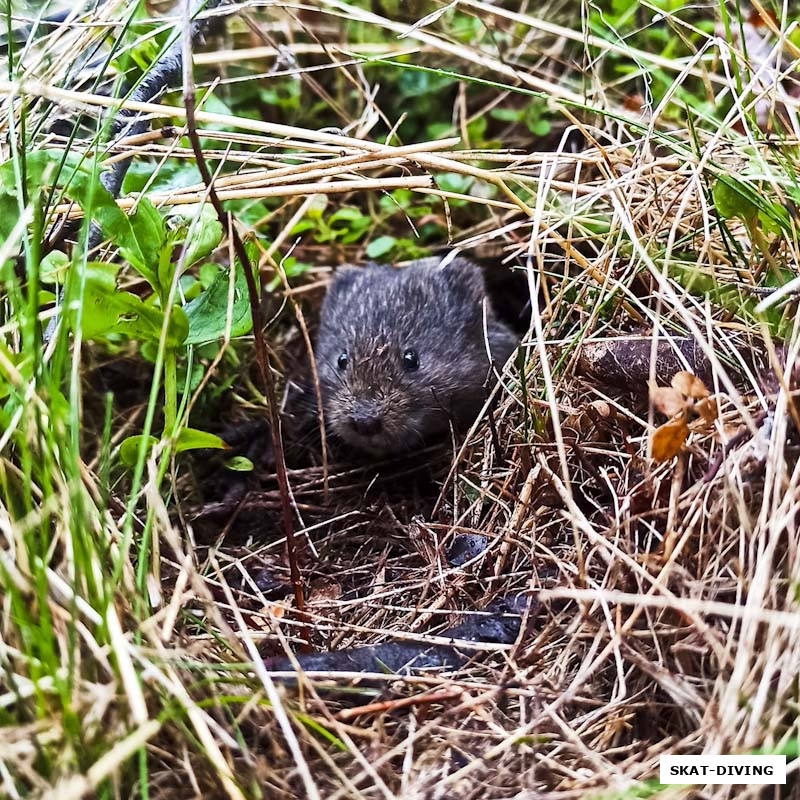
663,614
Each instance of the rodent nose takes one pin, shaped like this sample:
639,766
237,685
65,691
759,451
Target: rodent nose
367,423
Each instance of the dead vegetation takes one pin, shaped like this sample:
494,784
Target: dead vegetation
662,577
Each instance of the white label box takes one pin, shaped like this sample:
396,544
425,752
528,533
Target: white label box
749,770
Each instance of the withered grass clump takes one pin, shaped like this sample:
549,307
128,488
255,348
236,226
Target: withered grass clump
664,578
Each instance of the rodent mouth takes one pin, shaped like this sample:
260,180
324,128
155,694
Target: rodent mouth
378,433
377,444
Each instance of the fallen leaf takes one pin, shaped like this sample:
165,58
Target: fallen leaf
707,410
634,102
276,610
666,400
689,385
668,439
323,591
601,408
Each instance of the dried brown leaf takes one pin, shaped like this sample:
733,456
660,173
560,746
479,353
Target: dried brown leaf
668,439
689,385
666,400
707,410
324,590
602,408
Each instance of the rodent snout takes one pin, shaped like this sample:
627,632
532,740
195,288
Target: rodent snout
366,421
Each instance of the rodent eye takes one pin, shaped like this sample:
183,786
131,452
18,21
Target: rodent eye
342,361
411,360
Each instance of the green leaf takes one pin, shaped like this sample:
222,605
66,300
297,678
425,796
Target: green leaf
188,439
239,464
192,439
732,299
149,174
129,449
348,224
106,310
207,274
778,219
507,114
303,225
206,236
541,127
140,243
208,314
54,267
380,246
453,182
731,199
135,235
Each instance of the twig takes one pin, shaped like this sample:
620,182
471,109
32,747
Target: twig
403,702
262,356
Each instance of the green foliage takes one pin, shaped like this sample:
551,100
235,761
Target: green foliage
188,439
735,198
164,294
239,464
94,305
732,298
346,225
536,116
210,314
103,310
381,246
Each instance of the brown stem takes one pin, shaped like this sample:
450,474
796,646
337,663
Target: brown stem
381,706
262,355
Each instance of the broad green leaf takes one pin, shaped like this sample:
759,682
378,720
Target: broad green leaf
239,464
54,267
207,274
205,234
507,114
192,439
208,314
171,174
380,246
453,182
142,247
46,168
778,219
348,224
106,310
129,449
731,199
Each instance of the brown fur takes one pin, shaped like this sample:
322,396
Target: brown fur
376,314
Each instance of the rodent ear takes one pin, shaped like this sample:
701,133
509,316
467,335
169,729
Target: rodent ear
463,273
343,280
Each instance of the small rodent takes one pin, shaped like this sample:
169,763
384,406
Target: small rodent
402,351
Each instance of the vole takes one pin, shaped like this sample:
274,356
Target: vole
402,352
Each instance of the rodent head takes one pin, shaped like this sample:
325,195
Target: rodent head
400,352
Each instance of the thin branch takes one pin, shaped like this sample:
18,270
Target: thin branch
262,355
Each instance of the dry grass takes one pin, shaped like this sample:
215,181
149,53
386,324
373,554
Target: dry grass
666,616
